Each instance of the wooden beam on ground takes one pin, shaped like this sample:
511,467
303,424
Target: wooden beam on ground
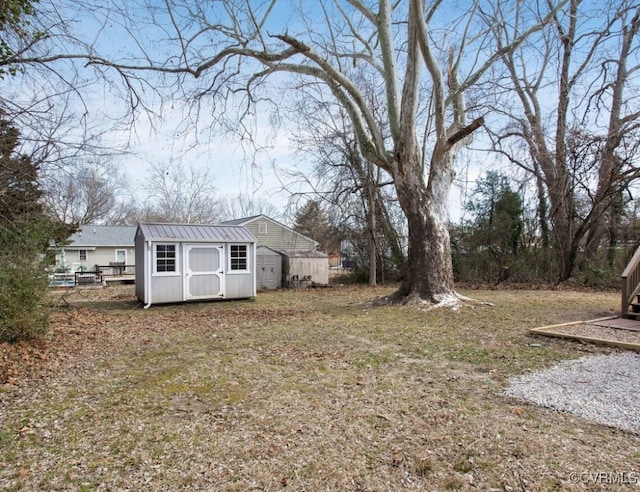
550,332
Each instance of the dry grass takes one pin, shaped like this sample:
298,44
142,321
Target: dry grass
299,390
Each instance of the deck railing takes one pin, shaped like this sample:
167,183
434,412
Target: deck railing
87,278
115,270
630,283
102,273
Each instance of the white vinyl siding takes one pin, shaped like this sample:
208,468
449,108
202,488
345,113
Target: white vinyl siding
280,238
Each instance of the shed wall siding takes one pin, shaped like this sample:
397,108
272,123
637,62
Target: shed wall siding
268,269
238,285
166,289
318,268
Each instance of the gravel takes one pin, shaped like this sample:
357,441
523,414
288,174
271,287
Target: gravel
603,389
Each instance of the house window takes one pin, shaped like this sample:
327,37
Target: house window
238,257
83,254
262,227
166,258
121,256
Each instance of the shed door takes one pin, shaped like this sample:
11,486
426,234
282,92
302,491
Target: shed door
203,271
269,271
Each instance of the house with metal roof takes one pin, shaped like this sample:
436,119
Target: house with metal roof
97,245
190,262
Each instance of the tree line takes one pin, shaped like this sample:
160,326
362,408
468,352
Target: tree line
387,99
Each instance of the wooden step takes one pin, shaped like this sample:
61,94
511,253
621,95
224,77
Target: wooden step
633,312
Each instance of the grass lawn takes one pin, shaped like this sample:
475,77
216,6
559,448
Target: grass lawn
299,390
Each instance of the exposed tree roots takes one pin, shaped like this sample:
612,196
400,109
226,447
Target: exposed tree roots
452,300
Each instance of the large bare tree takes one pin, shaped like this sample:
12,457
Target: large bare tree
576,112
233,48
92,192
175,192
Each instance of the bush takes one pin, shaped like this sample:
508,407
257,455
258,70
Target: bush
24,282
26,232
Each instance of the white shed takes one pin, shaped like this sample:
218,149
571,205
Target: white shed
188,262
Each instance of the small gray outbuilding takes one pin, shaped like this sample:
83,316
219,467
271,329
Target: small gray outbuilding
189,262
269,268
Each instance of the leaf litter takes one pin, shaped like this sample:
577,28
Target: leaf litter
296,390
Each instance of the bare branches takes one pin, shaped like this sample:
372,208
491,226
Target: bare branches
465,131
385,35
579,146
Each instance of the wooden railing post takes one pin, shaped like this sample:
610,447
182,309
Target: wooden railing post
630,283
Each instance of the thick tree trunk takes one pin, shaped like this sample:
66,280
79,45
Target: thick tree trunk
429,277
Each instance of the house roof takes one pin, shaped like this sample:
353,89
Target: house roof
267,250
91,236
247,220
195,232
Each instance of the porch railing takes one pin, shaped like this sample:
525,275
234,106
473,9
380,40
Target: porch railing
102,273
115,270
630,284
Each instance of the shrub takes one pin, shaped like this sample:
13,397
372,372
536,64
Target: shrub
24,281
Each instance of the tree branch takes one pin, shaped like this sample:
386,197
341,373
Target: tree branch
465,131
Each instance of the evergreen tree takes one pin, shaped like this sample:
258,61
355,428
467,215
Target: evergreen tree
491,239
26,233
311,221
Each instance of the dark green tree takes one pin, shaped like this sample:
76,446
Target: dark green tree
312,221
26,234
492,237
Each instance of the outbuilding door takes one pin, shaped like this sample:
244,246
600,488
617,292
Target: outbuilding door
203,271
268,271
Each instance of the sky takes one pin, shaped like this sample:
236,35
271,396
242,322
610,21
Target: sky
234,173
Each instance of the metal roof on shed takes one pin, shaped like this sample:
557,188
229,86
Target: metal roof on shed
195,232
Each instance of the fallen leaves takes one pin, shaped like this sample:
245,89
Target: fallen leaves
21,360
297,390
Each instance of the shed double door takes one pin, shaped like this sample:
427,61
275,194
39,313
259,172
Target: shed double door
204,271
268,271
